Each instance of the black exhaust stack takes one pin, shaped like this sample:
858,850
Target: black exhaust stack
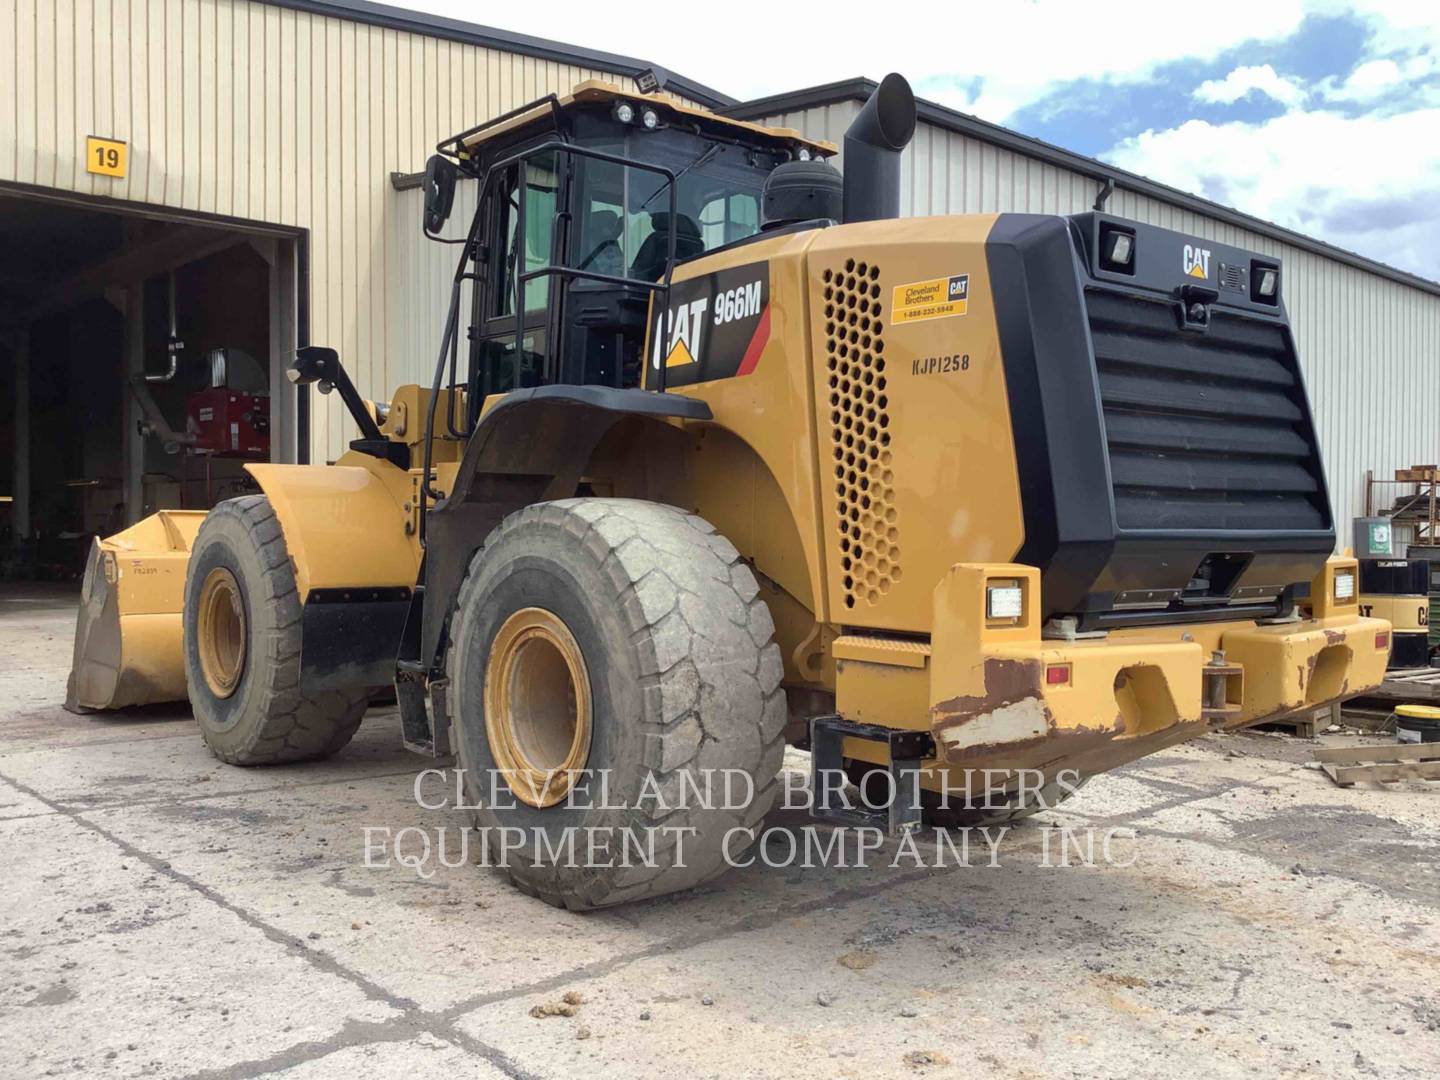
872,151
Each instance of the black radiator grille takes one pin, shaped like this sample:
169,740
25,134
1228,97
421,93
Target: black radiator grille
1205,430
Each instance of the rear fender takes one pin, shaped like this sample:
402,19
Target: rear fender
530,446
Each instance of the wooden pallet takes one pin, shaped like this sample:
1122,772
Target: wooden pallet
1305,725
1385,764
1409,684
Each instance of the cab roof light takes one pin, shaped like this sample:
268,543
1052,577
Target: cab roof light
652,80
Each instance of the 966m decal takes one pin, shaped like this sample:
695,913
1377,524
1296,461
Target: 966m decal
718,326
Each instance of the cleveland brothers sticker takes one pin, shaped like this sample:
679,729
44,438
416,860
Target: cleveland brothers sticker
937,298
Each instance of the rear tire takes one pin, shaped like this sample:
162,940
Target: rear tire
242,646
619,636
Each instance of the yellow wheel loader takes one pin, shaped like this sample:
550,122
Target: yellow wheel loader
721,454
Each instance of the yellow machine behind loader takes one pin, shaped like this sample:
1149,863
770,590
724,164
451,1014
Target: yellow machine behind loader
720,453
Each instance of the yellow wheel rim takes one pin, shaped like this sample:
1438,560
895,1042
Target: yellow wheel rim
537,706
221,630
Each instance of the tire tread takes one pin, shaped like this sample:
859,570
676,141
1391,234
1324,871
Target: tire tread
294,725
684,592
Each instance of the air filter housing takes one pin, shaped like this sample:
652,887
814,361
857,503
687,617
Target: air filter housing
802,191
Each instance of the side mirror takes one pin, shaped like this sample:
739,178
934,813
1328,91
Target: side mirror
439,183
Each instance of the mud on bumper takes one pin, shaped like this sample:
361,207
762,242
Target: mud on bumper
1000,696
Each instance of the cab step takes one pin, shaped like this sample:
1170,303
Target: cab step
907,750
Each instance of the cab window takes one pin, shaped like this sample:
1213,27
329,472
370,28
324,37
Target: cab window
623,225
541,189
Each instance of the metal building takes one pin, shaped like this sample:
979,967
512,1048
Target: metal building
193,176
1369,335
188,188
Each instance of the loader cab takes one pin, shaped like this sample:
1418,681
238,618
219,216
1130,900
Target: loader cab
583,207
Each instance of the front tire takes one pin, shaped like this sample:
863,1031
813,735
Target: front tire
619,639
242,646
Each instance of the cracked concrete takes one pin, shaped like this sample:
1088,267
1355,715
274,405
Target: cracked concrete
163,915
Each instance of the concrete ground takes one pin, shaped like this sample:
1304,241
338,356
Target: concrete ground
164,915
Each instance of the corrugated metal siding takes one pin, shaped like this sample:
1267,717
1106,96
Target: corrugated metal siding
274,115
422,272
1369,347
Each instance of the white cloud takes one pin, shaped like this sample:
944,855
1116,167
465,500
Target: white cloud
1367,183
1369,80
1396,26
1402,51
1245,80
1376,79
1370,182
1017,51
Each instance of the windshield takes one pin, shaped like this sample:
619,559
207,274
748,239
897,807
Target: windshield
623,224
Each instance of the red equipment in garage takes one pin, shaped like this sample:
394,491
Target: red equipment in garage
229,424
231,417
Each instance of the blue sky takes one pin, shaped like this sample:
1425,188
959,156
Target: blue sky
1091,115
1320,115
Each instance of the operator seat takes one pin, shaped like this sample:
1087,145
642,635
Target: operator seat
649,264
603,243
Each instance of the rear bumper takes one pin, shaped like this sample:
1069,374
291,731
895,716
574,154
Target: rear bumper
1306,665
1000,696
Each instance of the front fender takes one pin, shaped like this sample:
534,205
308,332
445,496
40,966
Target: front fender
344,524
355,563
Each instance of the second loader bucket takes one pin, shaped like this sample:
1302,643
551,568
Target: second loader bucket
129,639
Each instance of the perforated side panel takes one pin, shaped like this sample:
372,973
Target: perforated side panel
859,423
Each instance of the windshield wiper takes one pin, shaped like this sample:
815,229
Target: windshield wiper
709,152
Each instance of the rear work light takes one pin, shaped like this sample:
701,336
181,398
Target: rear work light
1345,585
1117,250
1264,283
1004,602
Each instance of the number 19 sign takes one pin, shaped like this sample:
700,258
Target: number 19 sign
107,157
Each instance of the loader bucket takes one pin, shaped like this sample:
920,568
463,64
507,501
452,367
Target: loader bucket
128,633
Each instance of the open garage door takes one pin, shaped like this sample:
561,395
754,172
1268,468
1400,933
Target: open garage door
141,367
